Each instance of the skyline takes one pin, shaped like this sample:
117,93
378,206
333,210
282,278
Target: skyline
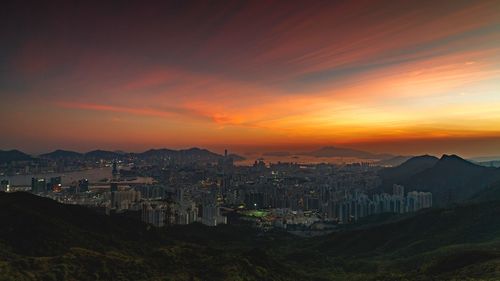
407,77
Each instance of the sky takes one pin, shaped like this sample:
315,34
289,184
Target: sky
405,77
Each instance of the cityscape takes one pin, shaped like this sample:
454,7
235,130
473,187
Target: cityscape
201,186
250,140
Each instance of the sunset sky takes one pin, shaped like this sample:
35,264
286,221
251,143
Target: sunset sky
387,76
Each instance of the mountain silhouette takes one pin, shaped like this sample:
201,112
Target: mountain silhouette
451,179
62,154
332,151
8,156
407,169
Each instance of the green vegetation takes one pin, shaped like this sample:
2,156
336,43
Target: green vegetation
43,240
255,213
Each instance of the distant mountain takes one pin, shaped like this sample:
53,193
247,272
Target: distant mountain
276,153
8,156
41,239
191,154
155,153
195,151
451,179
94,154
332,151
493,163
487,161
485,158
59,154
102,154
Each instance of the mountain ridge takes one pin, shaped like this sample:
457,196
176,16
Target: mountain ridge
7,156
333,151
450,178
150,153
60,153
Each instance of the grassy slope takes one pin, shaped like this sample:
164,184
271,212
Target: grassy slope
43,240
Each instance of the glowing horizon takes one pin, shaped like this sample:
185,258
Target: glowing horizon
407,77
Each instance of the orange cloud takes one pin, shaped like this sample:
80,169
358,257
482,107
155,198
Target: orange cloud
258,73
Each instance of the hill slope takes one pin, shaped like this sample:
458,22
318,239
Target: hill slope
451,179
43,240
407,169
62,154
491,193
7,156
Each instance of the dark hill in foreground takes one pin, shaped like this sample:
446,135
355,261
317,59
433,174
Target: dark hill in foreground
43,240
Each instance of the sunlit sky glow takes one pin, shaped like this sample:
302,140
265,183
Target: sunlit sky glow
395,76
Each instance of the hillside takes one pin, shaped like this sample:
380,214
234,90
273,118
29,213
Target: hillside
192,154
61,154
8,156
393,162
439,244
491,193
43,240
451,179
407,169
102,154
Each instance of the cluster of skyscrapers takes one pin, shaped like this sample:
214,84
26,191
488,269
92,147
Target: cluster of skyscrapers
354,206
189,191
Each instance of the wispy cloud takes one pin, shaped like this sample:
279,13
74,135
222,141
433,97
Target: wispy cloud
326,71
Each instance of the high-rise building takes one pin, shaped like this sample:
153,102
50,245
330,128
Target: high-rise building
115,171
210,209
113,186
254,199
418,200
123,199
83,185
354,206
398,190
151,191
55,184
5,185
154,214
38,185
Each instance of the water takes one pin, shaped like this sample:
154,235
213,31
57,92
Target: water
93,175
301,159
